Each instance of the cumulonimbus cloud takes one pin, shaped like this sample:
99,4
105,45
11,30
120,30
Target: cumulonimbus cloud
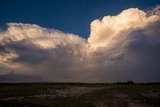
121,47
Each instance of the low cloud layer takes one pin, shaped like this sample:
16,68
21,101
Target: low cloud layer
119,48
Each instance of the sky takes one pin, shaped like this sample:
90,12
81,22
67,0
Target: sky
79,41
70,16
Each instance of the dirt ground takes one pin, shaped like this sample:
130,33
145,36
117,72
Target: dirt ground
79,95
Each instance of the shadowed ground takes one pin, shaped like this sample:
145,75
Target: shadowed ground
79,95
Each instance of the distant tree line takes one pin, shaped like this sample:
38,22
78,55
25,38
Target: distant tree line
126,82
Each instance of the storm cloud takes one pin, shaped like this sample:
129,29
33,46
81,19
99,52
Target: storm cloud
119,48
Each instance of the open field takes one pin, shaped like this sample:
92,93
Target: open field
79,95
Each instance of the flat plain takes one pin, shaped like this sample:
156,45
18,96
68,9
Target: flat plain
79,95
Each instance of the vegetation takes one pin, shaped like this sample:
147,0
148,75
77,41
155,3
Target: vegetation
126,94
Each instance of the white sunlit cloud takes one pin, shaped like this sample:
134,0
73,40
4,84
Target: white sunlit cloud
119,48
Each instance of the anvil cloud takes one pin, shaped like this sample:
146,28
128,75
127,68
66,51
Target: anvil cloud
119,48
